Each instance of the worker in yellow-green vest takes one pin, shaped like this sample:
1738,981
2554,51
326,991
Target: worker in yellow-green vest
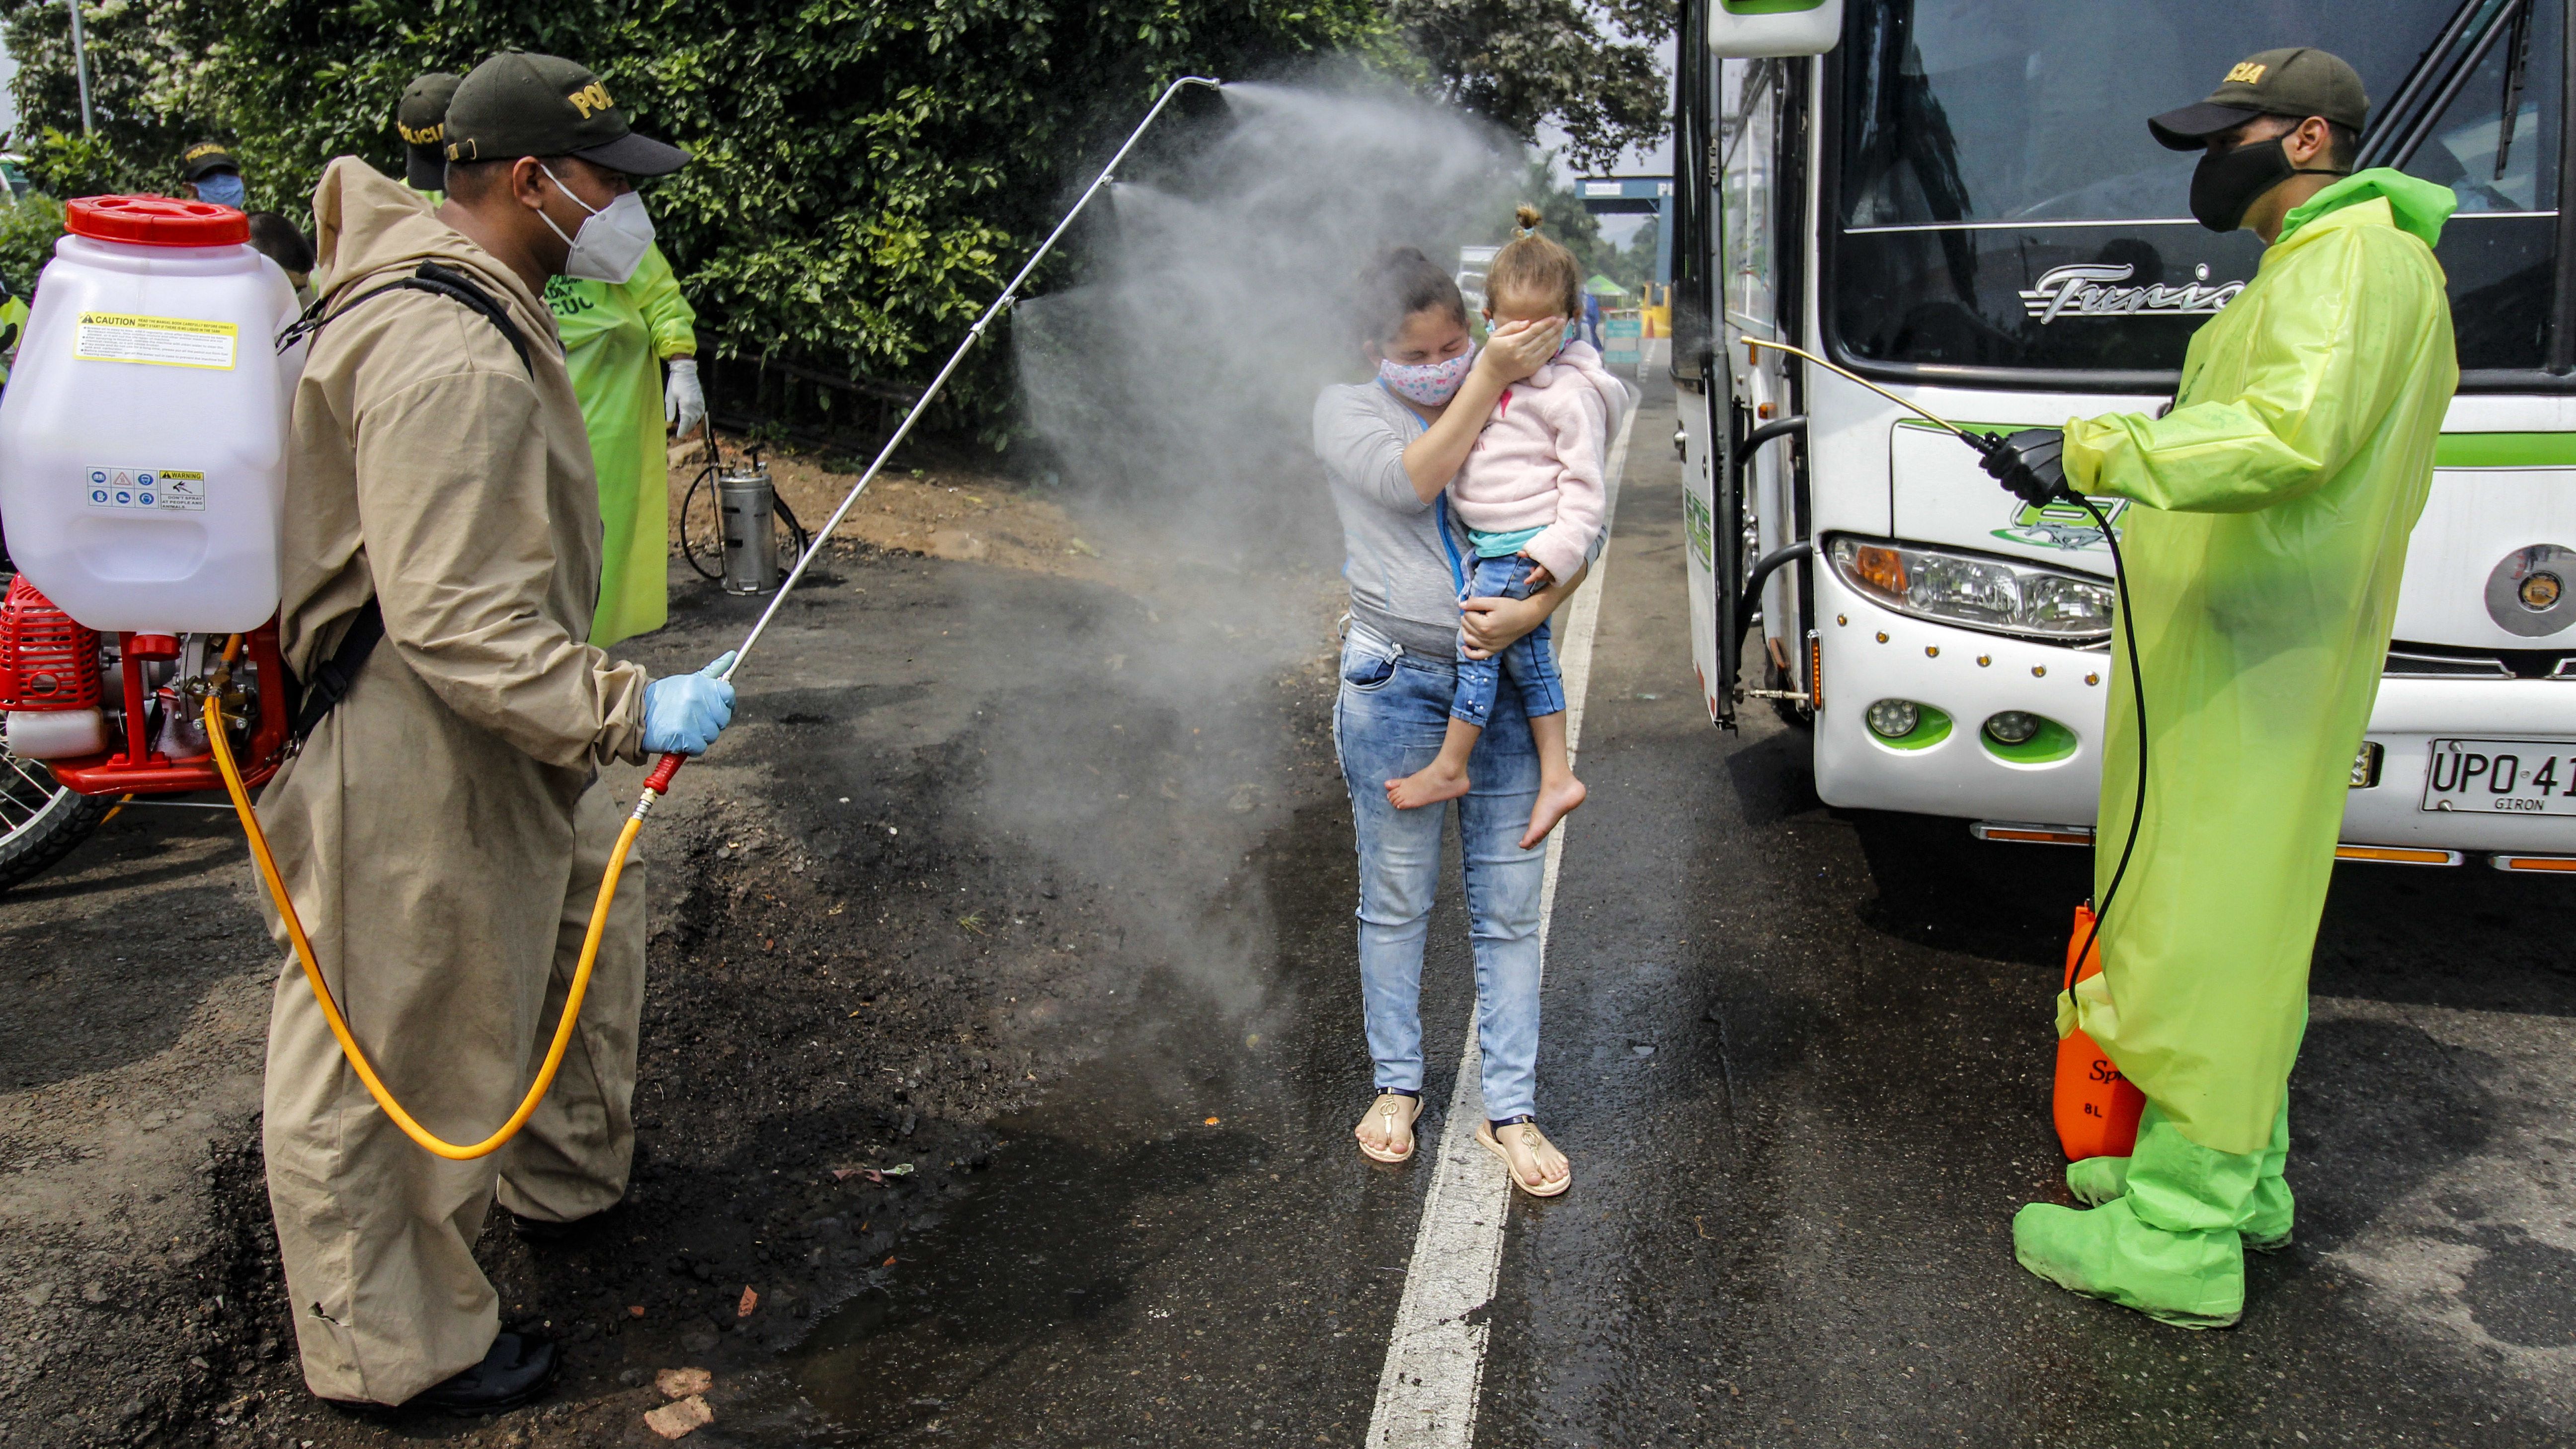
618,338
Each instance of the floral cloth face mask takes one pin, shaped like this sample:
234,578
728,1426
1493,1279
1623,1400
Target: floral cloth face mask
1427,383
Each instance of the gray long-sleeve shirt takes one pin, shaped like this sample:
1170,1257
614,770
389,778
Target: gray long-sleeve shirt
1399,575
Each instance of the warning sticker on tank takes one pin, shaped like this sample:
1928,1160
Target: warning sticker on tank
159,341
160,490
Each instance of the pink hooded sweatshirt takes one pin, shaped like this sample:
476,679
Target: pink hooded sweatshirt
1542,459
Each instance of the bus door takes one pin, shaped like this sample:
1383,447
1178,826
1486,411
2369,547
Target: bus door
1740,145
1703,387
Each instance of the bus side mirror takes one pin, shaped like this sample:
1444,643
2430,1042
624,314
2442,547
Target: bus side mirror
1752,29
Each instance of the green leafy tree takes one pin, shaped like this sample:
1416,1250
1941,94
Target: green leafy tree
867,171
155,85
1589,66
1637,258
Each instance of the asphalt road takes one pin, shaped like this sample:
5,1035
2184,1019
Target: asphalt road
1798,1057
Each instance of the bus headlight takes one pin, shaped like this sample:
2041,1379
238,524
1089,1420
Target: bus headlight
1980,591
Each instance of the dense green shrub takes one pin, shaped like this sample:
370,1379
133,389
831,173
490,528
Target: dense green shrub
868,171
28,230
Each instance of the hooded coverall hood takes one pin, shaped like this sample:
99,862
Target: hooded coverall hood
2415,206
367,225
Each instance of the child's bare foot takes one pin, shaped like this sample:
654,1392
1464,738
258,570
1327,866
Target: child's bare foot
1555,802
1429,785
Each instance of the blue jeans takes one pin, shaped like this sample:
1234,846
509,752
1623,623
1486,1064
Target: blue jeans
1387,723
1530,662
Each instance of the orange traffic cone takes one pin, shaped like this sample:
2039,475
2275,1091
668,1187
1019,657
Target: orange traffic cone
2096,1107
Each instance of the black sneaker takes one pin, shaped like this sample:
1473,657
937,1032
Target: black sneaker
518,1369
545,1231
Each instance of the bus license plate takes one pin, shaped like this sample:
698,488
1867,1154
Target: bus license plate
2502,777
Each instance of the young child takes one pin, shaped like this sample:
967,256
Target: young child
1532,496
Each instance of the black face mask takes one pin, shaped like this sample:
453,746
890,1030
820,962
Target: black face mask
2224,185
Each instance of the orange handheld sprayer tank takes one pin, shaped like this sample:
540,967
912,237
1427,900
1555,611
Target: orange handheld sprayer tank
2096,1108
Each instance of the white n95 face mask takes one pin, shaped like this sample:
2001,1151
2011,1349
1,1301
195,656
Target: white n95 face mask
612,240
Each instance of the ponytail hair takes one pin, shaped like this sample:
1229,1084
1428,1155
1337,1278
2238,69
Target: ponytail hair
1532,267
1399,283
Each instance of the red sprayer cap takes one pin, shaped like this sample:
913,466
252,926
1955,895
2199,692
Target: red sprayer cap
155,221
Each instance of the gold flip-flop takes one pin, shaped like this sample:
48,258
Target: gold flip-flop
1485,1135
1390,1106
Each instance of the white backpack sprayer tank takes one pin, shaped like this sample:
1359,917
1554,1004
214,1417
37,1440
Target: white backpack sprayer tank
142,474
142,436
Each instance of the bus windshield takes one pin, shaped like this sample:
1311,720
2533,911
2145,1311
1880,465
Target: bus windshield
1999,203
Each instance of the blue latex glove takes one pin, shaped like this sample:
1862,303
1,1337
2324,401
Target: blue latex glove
685,712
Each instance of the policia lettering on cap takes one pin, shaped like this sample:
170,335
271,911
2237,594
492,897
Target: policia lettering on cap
421,121
2264,560
446,817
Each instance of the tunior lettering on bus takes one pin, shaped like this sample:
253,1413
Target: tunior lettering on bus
2090,290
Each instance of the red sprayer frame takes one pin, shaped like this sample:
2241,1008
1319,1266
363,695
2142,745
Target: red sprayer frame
138,769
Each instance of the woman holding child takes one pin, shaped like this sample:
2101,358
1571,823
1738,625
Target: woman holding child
1458,466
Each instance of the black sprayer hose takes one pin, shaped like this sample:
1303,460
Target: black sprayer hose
687,500
1986,444
804,540
2137,696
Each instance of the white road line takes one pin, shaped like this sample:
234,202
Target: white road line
1435,1359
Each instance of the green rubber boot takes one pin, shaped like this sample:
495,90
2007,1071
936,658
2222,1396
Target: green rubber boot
2268,1218
2168,1247
2097,1180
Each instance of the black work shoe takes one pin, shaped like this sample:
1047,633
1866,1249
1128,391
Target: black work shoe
548,1230
518,1369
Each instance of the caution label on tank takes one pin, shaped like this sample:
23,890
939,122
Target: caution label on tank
156,490
159,341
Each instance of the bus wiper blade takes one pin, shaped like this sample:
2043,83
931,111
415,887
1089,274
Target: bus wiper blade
2518,47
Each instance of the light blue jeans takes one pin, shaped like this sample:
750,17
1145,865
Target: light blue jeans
1387,723
1529,665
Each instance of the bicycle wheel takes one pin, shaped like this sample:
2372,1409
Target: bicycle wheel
40,821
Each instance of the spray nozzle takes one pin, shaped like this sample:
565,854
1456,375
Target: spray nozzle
2003,459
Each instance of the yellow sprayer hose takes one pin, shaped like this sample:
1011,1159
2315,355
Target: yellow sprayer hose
331,1009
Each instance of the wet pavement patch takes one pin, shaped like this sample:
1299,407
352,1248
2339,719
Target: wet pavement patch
2523,1292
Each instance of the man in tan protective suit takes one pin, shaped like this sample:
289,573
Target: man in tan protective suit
444,831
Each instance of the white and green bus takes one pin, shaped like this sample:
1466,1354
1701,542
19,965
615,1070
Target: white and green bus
1959,200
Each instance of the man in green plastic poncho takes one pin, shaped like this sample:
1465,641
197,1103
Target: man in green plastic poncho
2263,565
617,336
